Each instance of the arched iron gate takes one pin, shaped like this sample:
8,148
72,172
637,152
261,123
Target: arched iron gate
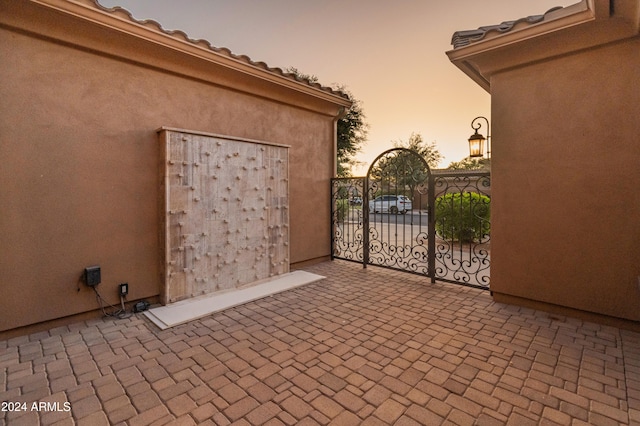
396,187
404,216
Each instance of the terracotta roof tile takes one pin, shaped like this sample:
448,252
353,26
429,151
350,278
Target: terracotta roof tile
181,35
465,38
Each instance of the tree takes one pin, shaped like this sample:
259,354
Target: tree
352,127
352,135
405,170
469,163
428,151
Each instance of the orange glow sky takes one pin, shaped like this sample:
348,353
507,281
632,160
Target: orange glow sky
389,54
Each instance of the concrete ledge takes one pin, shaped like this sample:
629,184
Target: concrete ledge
187,310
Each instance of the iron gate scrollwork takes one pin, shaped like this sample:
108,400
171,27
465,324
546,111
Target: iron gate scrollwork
404,216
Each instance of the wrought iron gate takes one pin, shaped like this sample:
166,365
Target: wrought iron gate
404,216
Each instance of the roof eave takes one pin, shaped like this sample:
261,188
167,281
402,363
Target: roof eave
121,21
566,30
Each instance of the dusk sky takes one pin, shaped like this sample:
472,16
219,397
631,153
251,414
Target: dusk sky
389,54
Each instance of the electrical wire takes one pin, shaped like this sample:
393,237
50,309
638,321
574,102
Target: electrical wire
117,313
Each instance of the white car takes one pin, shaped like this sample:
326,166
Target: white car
390,204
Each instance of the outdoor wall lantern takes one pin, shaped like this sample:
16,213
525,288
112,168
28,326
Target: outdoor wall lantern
476,141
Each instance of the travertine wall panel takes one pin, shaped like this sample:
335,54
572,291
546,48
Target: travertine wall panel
225,214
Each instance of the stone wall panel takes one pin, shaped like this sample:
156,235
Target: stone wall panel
227,213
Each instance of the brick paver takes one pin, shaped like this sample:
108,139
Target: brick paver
361,347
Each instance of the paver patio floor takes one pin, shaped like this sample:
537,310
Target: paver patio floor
361,347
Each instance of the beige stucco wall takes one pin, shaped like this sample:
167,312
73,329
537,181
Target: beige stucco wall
79,182
565,179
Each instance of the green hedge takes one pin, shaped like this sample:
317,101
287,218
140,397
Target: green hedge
342,208
463,216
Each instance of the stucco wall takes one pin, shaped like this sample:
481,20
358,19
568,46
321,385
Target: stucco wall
565,179
79,180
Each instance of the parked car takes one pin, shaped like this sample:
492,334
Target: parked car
390,204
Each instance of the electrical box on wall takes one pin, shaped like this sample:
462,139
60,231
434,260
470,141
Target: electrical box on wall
92,276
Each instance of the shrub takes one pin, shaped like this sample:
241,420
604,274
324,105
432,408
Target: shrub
342,208
463,216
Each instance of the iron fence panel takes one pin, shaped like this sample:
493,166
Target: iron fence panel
462,227
347,221
404,216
